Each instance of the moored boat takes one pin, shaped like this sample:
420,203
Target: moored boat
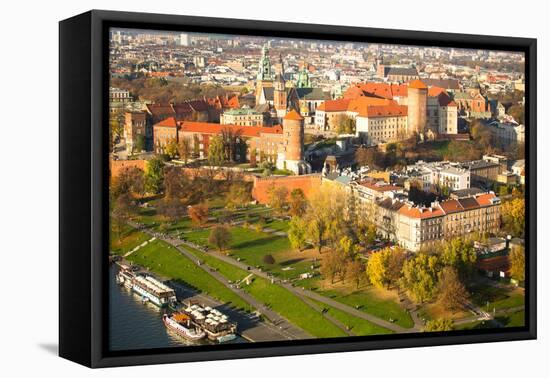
182,325
149,288
215,324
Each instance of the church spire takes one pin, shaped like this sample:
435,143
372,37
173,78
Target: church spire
264,66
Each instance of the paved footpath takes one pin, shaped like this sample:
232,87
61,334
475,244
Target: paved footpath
290,331
317,297
297,291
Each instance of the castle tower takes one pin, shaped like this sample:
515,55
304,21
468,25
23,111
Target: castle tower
279,96
264,78
417,93
292,155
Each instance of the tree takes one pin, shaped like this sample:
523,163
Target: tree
517,263
481,134
323,225
180,186
419,277
452,293
130,181
238,196
277,198
346,125
377,269
140,143
384,267
297,203
172,209
439,325
518,112
356,272
171,148
116,126
220,237
395,262
460,254
184,149
198,214
513,217
122,209
368,156
154,175
346,246
216,151
297,233
332,265
268,259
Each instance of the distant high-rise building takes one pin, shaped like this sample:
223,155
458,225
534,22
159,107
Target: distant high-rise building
184,39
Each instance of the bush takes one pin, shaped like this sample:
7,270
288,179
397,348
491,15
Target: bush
269,260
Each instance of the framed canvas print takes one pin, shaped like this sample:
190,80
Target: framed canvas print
234,188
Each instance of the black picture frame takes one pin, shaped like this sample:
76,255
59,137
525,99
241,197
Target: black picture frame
83,180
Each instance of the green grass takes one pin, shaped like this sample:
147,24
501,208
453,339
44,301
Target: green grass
163,259
358,326
498,297
516,319
249,245
277,298
368,302
277,225
129,239
292,308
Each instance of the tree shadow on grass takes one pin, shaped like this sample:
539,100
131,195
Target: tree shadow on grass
255,243
291,261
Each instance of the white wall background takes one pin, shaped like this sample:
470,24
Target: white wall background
29,186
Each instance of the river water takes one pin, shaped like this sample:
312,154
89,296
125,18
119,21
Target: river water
137,325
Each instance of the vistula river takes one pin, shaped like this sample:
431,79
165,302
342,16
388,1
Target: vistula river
137,325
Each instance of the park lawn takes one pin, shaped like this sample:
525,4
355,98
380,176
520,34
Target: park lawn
498,297
248,245
367,300
358,326
292,308
277,225
516,319
275,297
227,270
167,261
129,239
435,310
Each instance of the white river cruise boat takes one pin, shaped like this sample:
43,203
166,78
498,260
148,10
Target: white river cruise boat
149,288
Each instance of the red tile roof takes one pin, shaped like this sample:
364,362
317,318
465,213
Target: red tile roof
340,105
361,103
293,115
451,206
485,199
383,111
417,84
416,212
436,91
168,122
160,109
380,90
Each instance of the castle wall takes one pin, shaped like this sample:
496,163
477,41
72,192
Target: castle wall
308,184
